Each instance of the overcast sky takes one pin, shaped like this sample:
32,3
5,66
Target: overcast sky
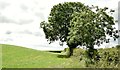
20,20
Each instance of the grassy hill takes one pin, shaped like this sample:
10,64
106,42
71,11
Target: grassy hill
19,57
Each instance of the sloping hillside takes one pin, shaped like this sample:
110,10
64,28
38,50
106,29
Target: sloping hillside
19,57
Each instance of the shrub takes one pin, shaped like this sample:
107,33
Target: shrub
118,46
104,58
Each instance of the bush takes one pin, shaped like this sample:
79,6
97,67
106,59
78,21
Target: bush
108,59
118,46
65,53
104,58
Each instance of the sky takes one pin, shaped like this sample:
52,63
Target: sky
20,21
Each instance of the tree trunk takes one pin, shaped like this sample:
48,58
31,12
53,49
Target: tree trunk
71,51
91,52
71,48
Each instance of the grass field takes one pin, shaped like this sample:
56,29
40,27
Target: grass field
19,57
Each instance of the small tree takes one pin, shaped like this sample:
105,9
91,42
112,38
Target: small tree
77,24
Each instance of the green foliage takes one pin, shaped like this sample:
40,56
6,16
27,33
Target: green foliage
91,53
90,28
105,58
77,24
108,58
59,19
65,53
118,46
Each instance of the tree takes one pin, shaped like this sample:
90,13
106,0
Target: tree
90,28
77,24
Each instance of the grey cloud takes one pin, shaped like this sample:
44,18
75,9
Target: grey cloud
3,5
8,32
31,33
42,8
8,39
26,32
119,10
116,13
40,15
21,21
4,19
38,34
114,41
23,7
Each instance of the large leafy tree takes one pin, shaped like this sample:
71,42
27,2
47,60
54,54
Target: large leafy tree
77,24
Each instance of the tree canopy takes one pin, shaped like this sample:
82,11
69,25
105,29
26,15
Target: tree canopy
77,24
59,20
90,28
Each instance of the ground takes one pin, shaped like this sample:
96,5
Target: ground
20,57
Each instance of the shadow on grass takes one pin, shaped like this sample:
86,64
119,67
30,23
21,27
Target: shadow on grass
63,56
